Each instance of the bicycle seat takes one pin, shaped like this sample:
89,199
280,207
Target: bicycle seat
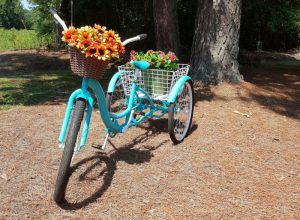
142,65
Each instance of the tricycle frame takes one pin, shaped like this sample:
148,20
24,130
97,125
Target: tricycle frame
138,99
134,103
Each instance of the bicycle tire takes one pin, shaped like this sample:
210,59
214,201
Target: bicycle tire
174,135
64,167
116,100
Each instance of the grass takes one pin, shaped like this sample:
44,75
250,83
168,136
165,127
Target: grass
36,87
282,64
40,87
21,39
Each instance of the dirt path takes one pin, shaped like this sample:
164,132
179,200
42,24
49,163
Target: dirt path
232,166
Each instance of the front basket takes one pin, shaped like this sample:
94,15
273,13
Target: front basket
87,66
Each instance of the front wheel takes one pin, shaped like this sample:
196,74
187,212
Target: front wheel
181,113
64,167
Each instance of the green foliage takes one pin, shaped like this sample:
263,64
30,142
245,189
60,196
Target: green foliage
43,21
280,65
21,39
28,19
275,23
127,18
12,15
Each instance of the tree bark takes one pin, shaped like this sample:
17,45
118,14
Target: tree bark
166,25
63,8
216,41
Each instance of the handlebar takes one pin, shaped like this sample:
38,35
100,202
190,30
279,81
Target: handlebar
125,42
143,36
133,39
58,19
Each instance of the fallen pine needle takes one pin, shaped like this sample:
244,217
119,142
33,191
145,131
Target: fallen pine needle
4,176
243,114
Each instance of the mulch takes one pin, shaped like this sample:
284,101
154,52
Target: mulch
241,160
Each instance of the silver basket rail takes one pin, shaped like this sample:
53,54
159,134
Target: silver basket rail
157,83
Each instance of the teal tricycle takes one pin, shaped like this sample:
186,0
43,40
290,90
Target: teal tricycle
134,94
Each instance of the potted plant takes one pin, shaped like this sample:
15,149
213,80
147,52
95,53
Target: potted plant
158,78
92,48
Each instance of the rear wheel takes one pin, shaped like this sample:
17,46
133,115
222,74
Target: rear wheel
116,100
181,113
64,167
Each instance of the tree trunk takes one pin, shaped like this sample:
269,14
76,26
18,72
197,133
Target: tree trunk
216,41
166,25
63,8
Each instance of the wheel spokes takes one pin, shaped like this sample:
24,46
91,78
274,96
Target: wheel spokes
182,112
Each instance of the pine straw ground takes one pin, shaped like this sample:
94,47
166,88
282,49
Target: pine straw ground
241,160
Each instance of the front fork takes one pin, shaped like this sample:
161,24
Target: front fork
82,93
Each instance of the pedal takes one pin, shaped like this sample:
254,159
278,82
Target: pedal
98,146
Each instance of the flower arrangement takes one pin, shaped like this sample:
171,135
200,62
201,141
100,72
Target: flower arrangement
95,41
157,59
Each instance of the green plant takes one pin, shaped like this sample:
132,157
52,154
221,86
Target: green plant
22,39
157,59
273,23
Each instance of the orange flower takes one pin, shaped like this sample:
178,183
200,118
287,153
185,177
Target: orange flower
84,44
99,27
113,51
85,34
67,35
103,53
121,48
111,33
91,51
96,38
74,37
95,41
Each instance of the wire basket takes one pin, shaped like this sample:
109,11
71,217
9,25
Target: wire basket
158,83
87,66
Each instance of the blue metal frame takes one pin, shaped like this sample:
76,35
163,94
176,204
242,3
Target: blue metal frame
83,93
113,81
135,102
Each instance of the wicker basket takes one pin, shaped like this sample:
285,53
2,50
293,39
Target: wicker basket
87,66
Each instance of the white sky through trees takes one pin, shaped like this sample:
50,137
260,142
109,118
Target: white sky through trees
25,4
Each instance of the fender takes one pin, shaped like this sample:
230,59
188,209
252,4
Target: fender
176,88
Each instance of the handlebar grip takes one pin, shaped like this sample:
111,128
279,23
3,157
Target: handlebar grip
52,11
58,19
142,36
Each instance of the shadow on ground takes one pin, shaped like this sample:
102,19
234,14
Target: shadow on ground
203,93
105,164
276,89
26,61
275,86
124,153
31,78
